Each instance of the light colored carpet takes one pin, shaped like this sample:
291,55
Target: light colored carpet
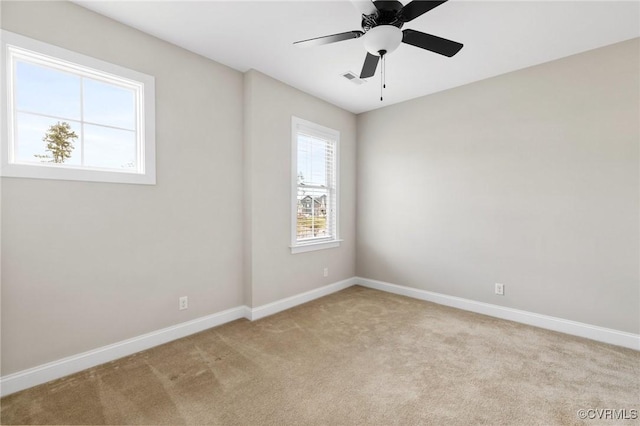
359,356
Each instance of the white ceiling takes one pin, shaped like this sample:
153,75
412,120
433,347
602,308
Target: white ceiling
498,37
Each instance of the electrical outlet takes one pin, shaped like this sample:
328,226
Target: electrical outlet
500,289
326,271
183,303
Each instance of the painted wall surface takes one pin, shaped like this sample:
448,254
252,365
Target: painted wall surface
530,179
272,271
88,264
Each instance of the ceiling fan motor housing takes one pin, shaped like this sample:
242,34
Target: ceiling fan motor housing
386,14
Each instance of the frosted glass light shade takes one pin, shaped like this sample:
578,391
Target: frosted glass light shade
382,37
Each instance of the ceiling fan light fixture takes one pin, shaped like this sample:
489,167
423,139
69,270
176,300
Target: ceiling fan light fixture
383,38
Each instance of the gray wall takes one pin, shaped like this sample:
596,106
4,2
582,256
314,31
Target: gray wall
529,179
271,271
89,264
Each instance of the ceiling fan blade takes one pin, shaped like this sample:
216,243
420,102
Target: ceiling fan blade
387,5
318,41
418,7
430,42
365,7
370,65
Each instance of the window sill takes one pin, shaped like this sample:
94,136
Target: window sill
78,174
302,248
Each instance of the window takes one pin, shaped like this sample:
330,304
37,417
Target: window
73,117
314,212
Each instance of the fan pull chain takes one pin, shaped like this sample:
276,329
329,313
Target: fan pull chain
384,72
381,79
383,84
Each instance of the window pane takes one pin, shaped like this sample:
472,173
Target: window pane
47,91
108,104
312,160
312,213
30,131
109,148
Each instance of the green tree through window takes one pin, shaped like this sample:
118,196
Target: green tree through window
59,139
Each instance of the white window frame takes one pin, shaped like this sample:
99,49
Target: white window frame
16,47
326,133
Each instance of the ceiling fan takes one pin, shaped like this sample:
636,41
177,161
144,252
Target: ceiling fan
382,21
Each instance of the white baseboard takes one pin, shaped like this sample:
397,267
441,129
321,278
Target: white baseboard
54,370
593,332
298,299
25,379
63,367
